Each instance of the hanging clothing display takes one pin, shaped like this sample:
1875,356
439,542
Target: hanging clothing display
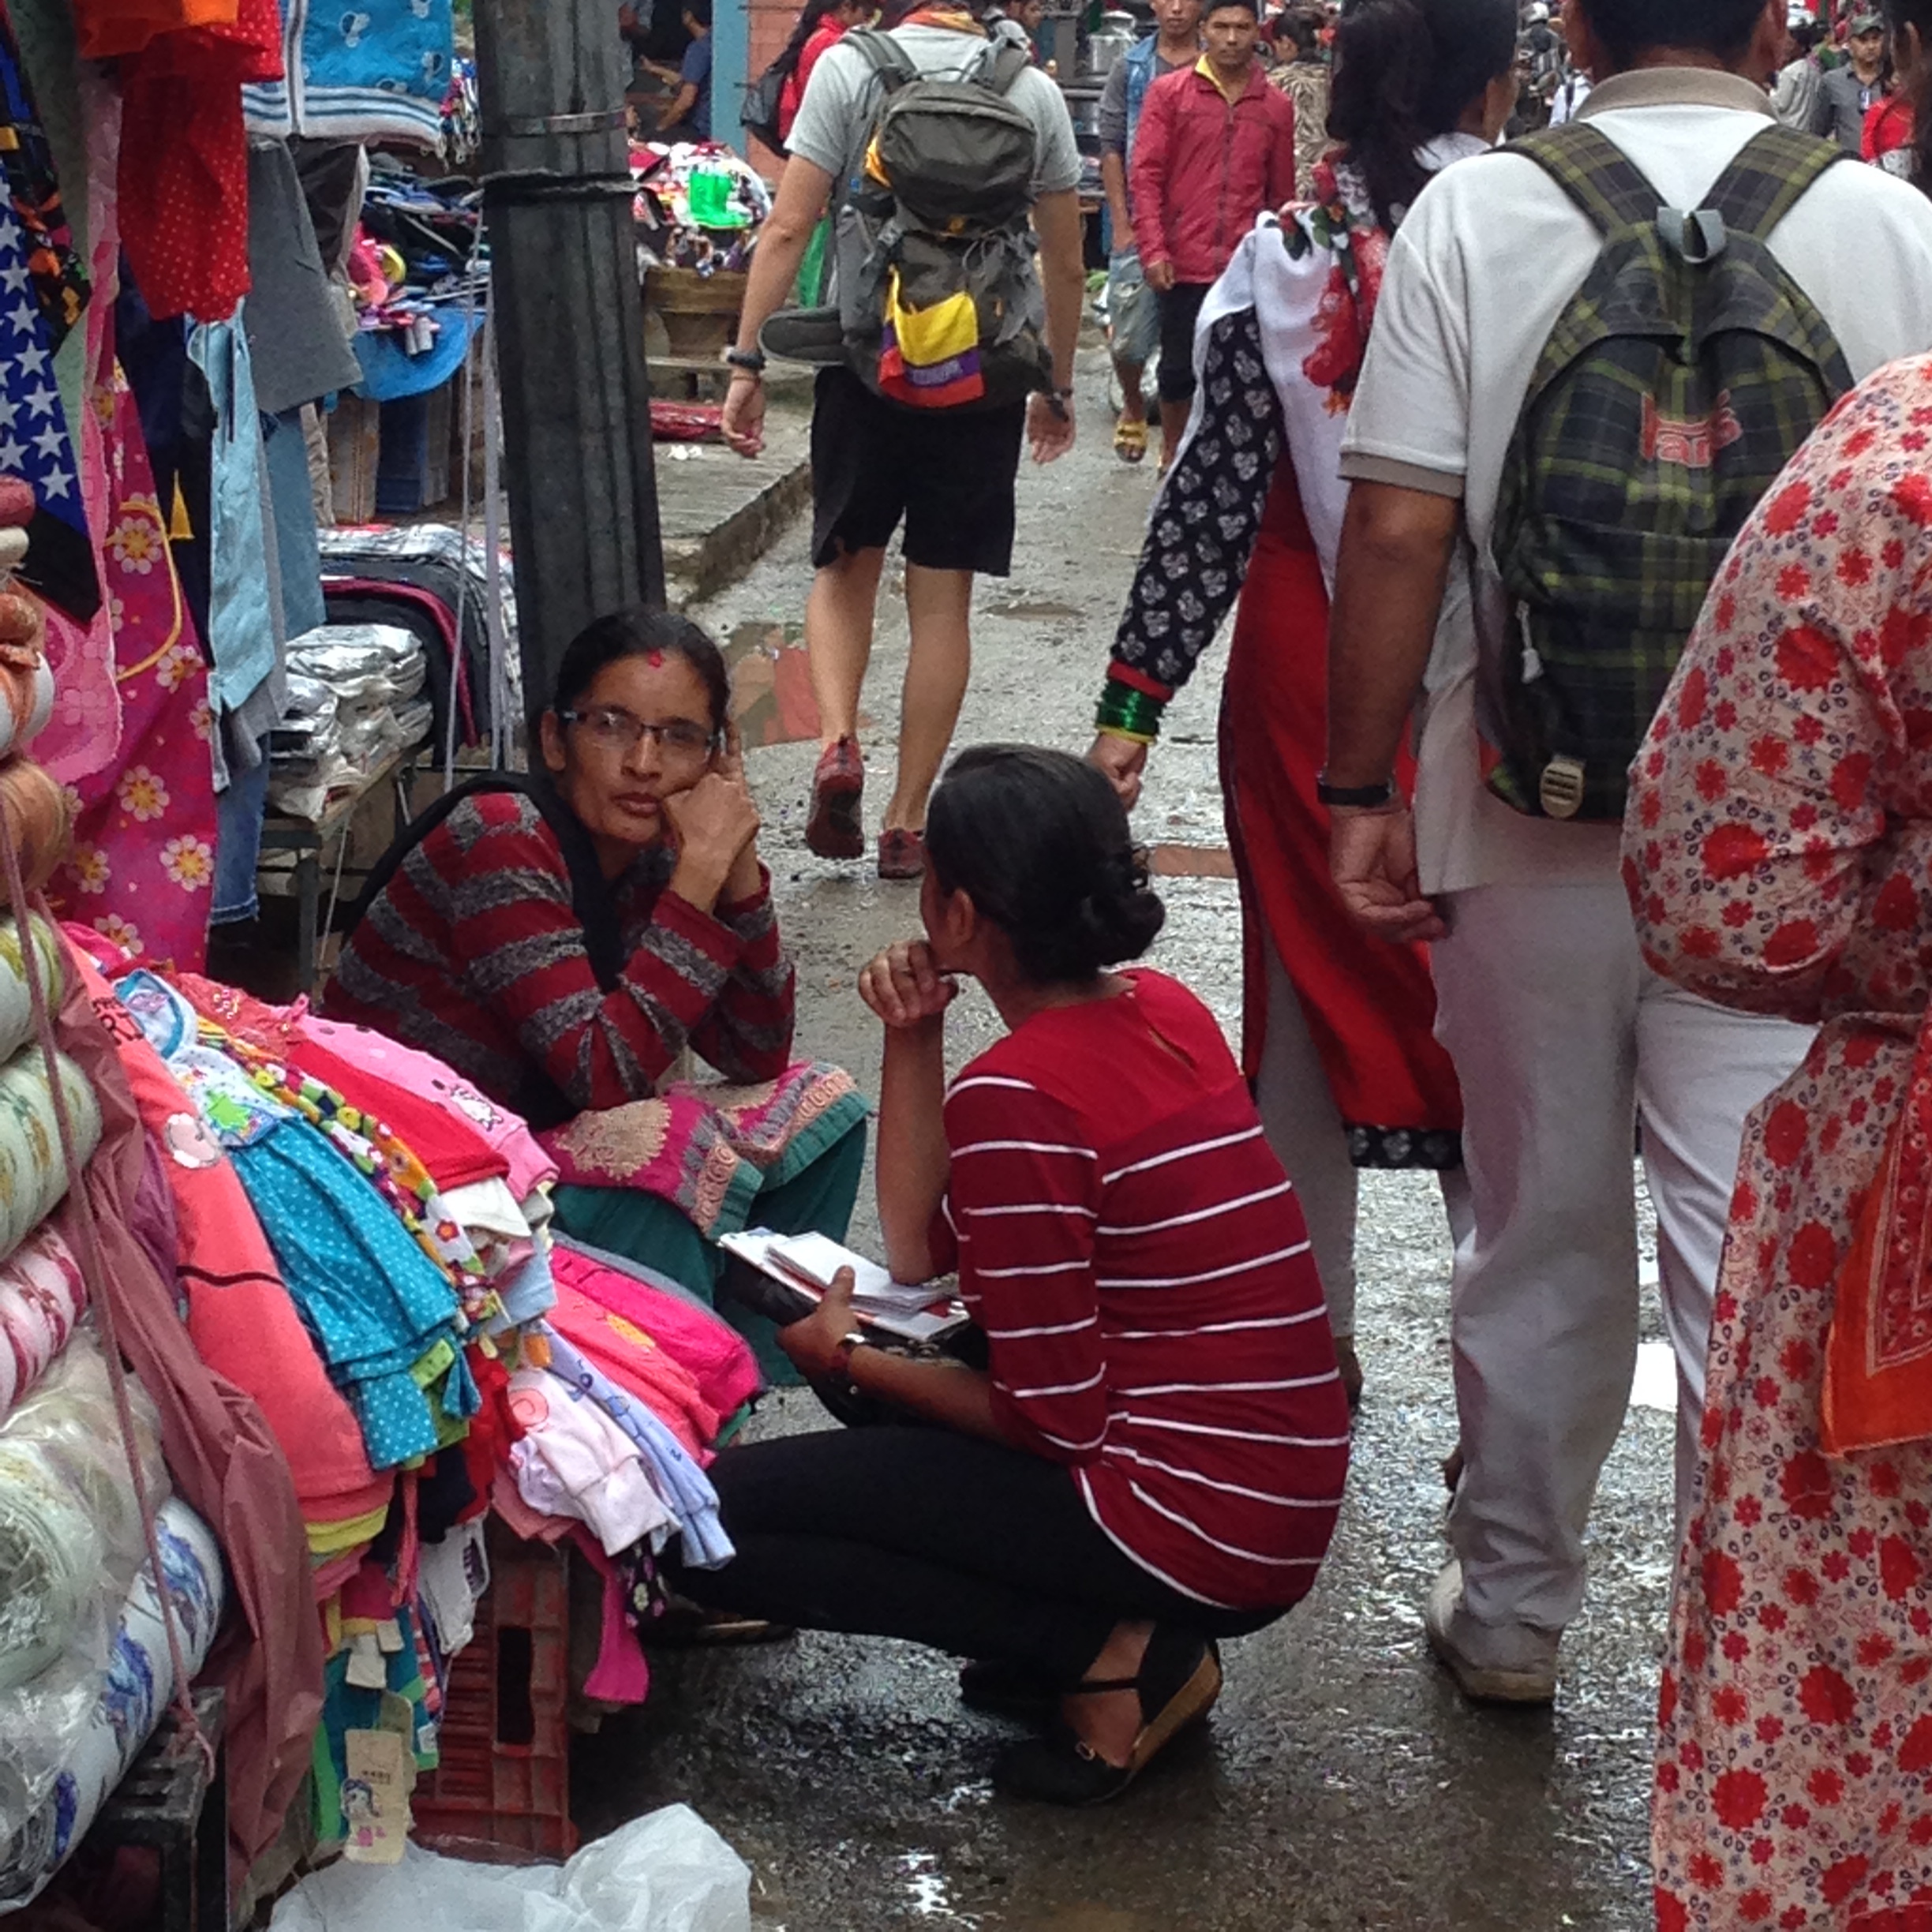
374,74
81,738
184,152
35,444
242,636
293,323
142,869
325,1260
60,278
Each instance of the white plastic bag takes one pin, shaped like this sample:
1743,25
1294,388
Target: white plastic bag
669,1872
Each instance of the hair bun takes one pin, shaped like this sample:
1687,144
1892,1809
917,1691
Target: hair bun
1122,929
1121,917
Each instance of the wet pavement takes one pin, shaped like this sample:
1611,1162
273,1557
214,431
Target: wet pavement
1343,1782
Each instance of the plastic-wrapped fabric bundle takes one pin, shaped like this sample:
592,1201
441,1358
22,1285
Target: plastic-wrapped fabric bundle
71,1543
33,1178
374,674
16,1008
307,725
360,664
138,1684
43,1297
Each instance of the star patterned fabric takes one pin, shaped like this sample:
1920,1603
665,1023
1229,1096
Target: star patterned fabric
35,444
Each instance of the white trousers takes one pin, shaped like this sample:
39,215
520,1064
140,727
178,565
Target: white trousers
1562,1039
1305,1127
1298,1115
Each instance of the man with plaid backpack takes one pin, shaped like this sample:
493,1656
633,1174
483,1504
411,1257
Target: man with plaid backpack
1593,352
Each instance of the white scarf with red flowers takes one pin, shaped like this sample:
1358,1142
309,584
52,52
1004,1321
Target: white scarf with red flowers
1312,275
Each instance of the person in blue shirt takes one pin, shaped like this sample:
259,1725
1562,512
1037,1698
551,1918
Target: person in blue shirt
690,114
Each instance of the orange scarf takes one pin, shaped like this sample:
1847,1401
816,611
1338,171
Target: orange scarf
1878,1355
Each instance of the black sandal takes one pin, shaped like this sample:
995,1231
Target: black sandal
1006,1689
1179,1680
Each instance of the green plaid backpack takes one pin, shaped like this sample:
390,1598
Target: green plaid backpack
1679,381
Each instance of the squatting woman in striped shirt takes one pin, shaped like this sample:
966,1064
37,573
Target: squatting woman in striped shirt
1154,1456
560,939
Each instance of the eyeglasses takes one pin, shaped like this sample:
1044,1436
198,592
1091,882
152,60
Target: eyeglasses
615,730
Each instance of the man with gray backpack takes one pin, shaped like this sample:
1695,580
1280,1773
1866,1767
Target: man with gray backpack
950,161
1592,354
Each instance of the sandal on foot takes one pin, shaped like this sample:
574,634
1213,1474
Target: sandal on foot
687,1627
1130,440
1005,1689
1180,1679
833,830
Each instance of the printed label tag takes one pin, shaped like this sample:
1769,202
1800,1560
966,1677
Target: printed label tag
375,1797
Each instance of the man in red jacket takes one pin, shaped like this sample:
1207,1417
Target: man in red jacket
1216,147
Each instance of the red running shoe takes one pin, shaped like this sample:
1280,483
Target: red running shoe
901,854
833,831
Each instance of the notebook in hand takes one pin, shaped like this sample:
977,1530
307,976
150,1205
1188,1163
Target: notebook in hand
911,1310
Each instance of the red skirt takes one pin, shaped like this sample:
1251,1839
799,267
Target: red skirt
1370,1006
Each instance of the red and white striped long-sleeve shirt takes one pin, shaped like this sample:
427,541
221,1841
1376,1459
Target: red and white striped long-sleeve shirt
1133,1250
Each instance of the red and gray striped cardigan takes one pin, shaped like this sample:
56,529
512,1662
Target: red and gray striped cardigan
474,953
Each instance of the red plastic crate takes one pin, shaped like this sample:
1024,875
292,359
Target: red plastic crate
505,1743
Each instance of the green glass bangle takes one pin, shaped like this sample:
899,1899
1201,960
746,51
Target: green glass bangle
1126,708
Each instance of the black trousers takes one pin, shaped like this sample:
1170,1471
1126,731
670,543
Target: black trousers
1179,309
968,1546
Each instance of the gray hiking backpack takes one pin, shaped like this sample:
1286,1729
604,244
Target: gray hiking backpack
937,210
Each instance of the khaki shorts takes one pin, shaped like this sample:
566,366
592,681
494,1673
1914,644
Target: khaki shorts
1133,322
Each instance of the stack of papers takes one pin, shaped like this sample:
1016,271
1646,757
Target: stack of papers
808,1262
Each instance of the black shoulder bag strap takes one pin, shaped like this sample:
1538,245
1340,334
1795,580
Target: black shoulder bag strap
590,892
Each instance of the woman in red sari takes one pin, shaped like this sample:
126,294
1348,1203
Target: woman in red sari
1778,849
1338,1035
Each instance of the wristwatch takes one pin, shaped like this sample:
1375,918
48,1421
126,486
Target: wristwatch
853,1339
1056,401
1360,798
750,360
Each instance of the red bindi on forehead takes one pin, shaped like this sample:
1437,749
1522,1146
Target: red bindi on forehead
655,659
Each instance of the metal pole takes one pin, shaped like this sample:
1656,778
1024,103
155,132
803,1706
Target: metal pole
568,321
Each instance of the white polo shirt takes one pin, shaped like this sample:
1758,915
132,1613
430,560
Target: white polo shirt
1477,275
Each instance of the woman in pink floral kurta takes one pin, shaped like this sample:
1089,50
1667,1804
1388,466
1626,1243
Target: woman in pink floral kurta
1778,850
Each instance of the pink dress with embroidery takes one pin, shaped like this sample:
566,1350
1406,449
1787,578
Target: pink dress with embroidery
1778,850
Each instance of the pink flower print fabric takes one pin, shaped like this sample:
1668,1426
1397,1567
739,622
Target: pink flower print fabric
143,867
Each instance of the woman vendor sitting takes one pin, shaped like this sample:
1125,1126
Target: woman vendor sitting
1155,1456
559,939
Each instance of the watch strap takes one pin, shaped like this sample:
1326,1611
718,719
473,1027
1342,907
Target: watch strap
1360,798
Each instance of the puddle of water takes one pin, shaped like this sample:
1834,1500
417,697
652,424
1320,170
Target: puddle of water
931,1894
1654,1386
772,697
